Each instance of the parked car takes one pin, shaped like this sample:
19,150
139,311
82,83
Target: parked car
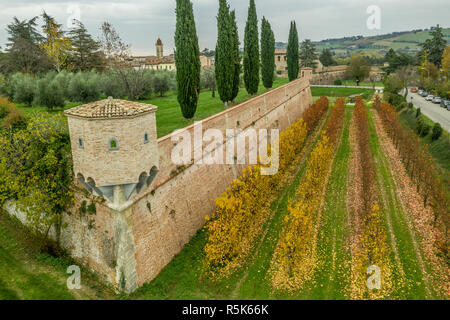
437,100
424,94
420,92
414,90
444,103
429,98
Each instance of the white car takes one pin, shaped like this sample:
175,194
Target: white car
437,100
429,98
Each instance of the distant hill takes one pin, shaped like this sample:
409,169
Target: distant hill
406,42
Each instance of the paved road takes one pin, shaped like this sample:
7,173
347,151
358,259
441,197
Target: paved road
433,111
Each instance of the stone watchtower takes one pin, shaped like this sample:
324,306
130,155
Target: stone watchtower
159,49
114,147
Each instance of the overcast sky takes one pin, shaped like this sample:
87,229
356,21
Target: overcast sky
141,22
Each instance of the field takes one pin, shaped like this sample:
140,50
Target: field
340,92
344,200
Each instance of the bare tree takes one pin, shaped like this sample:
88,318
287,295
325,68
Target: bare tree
405,75
117,54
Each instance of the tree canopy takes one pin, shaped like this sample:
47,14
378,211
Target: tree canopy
292,53
267,54
251,51
326,58
308,54
187,59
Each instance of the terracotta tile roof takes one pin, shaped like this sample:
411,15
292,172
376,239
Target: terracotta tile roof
169,59
110,108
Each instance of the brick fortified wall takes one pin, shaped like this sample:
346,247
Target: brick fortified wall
130,245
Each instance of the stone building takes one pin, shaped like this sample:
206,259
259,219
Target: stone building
114,147
206,62
158,62
165,63
281,63
159,49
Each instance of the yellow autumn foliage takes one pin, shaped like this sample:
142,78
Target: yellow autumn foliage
243,208
295,256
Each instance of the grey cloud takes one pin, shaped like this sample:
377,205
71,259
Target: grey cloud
141,22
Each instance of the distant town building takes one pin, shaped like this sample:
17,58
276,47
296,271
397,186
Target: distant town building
206,62
161,62
281,63
165,63
159,49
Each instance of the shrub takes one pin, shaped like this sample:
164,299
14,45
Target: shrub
14,119
49,94
5,107
402,106
39,175
437,132
418,112
422,128
419,124
111,86
161,84
337,82
24,90
395,99
64,78
84,87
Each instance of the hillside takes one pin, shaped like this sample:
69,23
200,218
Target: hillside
406,42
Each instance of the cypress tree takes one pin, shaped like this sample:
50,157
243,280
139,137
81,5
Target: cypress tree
251,51
292,53
224,53
267,54
187,59
236,57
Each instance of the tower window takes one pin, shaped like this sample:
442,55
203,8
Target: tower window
80,143
146,140
113,144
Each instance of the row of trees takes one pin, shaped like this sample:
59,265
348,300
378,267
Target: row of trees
242,210
57,89
227,56
418,162
295,257
228,60
370,236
